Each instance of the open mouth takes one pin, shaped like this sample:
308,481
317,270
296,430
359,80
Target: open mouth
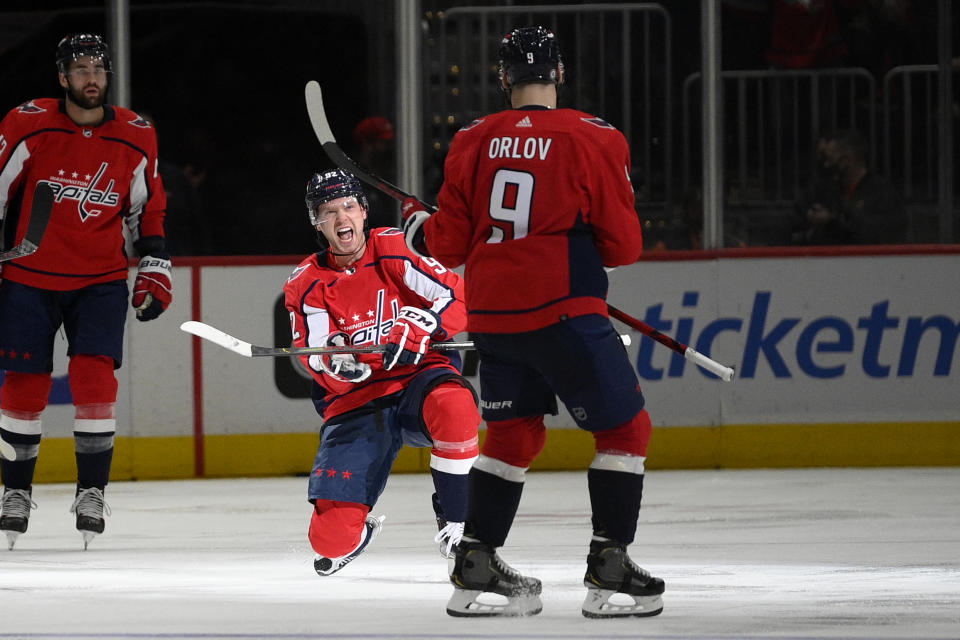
345,234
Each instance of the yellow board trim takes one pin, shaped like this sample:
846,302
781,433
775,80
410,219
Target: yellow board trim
728,446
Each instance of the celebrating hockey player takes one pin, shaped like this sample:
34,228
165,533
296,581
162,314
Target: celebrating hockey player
367,288
101,162
536,201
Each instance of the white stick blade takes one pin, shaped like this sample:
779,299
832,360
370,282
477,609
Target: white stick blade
217,337
318,117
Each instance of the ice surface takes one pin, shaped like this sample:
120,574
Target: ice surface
816,553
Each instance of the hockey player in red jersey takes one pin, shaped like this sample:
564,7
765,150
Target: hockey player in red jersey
367,288
536,201
101,162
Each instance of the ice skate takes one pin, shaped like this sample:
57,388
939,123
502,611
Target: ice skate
479,570
449,535
611,571
328,566
15,513
90,506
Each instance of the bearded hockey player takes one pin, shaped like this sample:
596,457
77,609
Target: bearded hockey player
100,161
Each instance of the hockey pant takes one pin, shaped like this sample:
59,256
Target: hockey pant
450,414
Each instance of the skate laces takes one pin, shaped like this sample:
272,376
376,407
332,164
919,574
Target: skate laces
450,535
16,503
90,503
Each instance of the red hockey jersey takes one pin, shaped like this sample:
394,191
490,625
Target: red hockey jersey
102,177
362,301
535,202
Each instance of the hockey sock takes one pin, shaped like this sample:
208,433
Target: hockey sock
336,527
615,502
23,398
451,495
494,500
94,389
615,478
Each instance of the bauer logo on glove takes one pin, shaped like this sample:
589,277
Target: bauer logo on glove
153,288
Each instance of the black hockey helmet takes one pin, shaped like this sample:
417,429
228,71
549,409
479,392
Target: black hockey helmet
330,185
530,54
82,44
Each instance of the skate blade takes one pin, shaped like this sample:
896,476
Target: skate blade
597,605
87,537
465,603
11,538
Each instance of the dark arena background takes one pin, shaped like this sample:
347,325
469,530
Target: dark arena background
813,496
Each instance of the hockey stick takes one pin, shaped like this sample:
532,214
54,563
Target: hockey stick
237,345
321,127
36,227
721,371
225,340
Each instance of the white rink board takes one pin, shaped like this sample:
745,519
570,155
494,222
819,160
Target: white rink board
240,394
813,300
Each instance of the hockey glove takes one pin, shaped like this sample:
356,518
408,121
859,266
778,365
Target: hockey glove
343,366
409,338
153,288
414,215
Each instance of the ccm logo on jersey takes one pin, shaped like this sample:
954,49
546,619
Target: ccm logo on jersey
517,147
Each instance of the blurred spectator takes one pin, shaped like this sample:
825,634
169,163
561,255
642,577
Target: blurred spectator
848,203
806,34
185,222
374,139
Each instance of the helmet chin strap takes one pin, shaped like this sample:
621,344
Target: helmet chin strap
343,255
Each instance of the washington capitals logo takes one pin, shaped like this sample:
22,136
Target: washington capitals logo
603,124
29,107
296,273
85,192
141,122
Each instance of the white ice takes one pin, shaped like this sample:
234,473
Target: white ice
815,553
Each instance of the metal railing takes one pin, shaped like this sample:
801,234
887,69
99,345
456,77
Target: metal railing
618,67
772,121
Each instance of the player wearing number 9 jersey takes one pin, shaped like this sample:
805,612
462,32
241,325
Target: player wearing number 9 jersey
535,202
